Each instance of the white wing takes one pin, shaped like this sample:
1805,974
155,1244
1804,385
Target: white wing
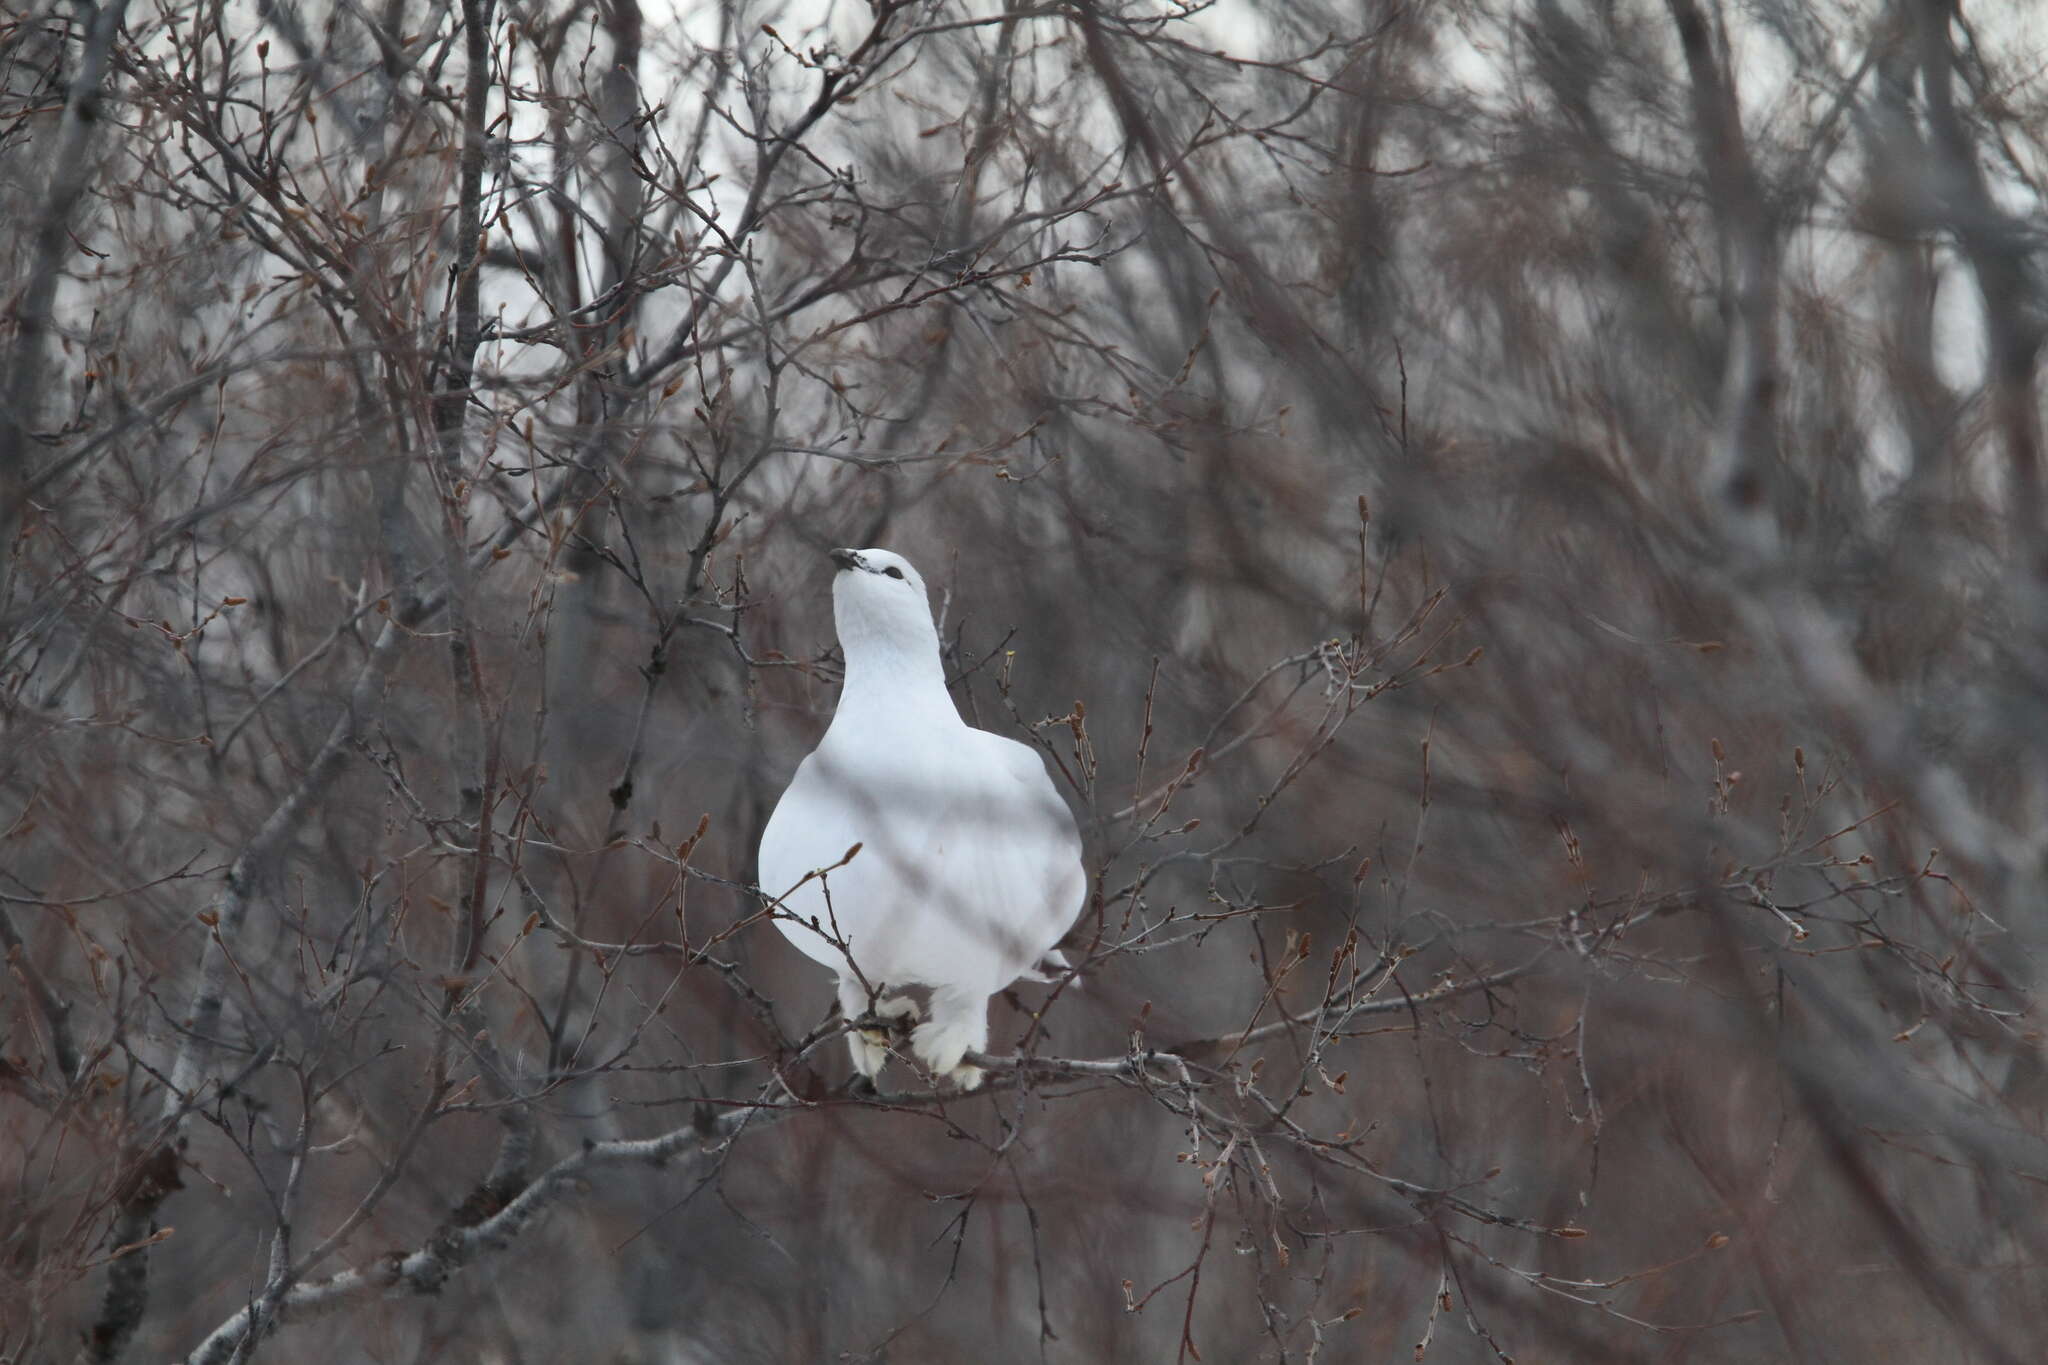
970,865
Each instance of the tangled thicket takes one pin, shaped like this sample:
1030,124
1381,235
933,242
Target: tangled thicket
1519,526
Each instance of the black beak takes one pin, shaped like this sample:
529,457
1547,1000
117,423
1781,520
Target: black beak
845,559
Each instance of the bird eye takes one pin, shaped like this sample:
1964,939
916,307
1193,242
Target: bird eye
893,571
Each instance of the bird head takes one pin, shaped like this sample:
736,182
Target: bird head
879,604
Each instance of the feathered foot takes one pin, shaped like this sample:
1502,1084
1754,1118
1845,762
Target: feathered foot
959,1025
870,1046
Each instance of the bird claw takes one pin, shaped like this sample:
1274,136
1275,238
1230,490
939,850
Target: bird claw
872,1034
870,1050
942,1043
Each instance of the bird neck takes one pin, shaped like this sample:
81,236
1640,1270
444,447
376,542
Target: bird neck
888,676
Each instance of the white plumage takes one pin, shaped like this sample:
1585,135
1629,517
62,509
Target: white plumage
969,868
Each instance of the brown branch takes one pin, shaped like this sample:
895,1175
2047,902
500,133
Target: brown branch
71,168
1738,468
1999,250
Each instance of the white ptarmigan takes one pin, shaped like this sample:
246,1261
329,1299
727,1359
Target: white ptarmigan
969,868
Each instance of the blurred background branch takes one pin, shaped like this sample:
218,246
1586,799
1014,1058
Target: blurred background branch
1517,527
